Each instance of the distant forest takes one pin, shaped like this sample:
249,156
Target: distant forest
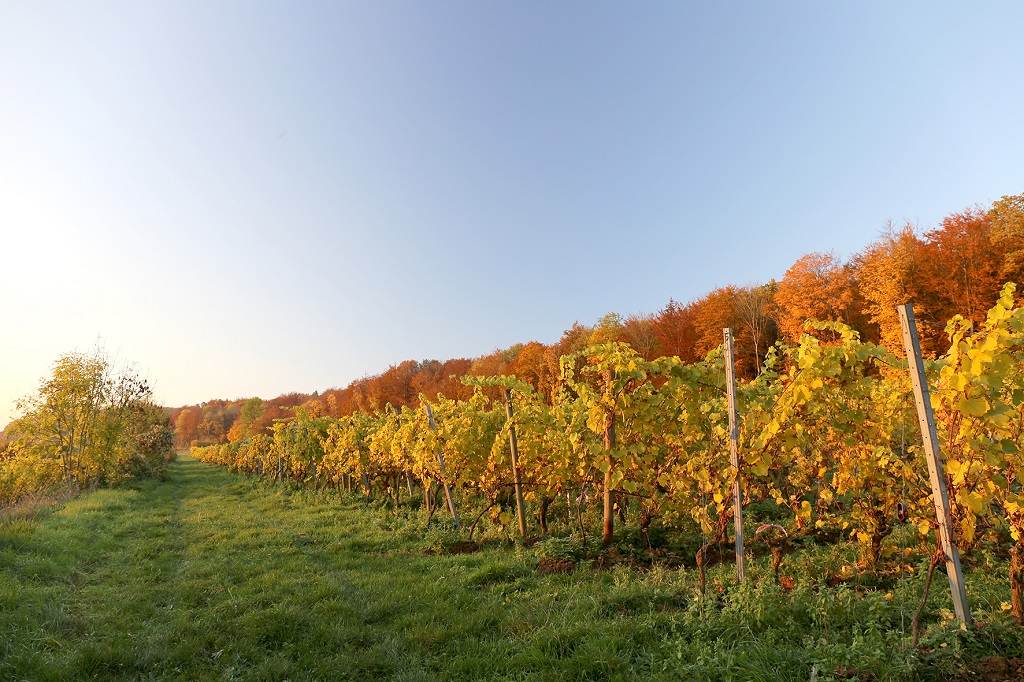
956,268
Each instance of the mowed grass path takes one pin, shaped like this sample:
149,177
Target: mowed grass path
211,576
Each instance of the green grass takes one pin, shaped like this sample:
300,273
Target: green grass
209,575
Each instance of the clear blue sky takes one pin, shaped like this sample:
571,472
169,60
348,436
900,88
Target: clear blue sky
248,198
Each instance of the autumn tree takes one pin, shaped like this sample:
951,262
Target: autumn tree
639,331
892,271
86,423
530,366
280,407
1007,219
451,385
817,286
211,429
675,331
608,329
713,312
63,416
247,424
493,364
313,408
752,311
963,268
186,425
573,340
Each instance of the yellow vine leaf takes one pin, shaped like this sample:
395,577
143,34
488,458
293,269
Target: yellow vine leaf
972,407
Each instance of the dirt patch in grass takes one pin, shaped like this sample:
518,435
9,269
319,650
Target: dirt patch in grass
555,565
995,669
464,547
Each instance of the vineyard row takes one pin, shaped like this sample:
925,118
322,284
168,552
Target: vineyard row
828,431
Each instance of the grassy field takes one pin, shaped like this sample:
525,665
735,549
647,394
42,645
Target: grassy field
209,575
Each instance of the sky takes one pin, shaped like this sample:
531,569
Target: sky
251,198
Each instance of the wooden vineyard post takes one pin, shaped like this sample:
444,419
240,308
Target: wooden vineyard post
514,447
936,470
444,473
367,490
366,485
312,459
609,445
734,456
408,476
427,485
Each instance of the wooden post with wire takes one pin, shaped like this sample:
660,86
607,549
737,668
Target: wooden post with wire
936,470
734,444
608,534
514,447
408,476
444,473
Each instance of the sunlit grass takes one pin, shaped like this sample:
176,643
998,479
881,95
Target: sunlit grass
213,576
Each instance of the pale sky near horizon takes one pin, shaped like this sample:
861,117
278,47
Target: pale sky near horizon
249,198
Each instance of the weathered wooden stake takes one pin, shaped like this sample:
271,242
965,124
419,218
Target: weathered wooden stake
444,473
366,485
312,459
609,495
936,470
514,447
408,476
734,457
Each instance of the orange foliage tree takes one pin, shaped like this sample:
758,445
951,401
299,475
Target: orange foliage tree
818,286
963,267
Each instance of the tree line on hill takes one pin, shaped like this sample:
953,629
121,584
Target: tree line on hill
955,268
